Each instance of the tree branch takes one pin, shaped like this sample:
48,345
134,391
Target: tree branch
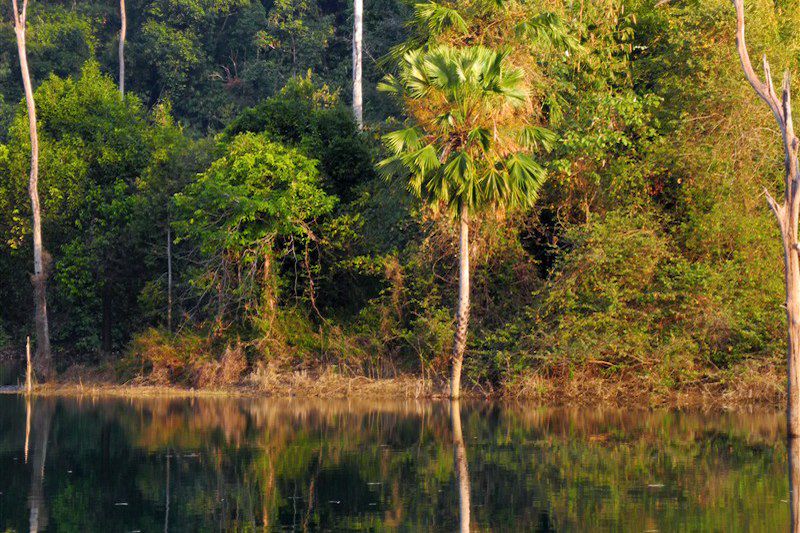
764,90
776,208
15,8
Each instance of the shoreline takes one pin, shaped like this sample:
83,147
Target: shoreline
329,385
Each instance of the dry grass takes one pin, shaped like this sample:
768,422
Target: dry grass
326,383
751,383
761,383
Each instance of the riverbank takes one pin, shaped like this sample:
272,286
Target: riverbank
751,385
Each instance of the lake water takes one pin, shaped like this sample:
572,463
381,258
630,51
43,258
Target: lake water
246,465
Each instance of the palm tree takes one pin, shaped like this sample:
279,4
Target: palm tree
470,149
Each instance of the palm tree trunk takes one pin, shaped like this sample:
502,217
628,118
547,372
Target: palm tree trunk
462,314
358,25
123,30
43,361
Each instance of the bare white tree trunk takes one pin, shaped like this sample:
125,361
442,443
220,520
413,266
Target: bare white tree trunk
786,212
358,28
29,367
462,313
39,278
460,466
123,30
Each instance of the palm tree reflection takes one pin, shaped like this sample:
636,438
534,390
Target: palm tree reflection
460,466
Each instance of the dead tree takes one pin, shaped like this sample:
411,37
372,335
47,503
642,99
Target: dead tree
358,27
39,277
786,212
123,30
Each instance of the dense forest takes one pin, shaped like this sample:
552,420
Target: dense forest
227,219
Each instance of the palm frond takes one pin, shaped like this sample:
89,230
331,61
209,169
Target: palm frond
525,179
535,137
423,161
390,84
437,18
404,140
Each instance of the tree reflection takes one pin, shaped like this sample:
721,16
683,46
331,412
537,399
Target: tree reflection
162,464
460,466
41,413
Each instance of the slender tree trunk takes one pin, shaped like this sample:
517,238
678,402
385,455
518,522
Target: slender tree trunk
792,279
462,314
123,30
358,28
28,367
786,212
460,466
169,276
39,279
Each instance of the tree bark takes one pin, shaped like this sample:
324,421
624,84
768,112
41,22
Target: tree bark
792,281
358,28
460,466
462,313
786,213
39,278
123,30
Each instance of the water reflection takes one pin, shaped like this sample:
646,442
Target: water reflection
460,466
794,482
37,432
192,465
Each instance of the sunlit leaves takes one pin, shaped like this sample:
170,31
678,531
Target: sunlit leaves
467,150
257,191
550,28
535,137
438,18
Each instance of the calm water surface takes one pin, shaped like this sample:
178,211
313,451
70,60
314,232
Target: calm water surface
245,465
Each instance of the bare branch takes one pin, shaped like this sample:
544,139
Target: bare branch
24,16
16,13
777,209
763,90
768,77
787,105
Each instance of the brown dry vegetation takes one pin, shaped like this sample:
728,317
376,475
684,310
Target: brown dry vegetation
749,384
